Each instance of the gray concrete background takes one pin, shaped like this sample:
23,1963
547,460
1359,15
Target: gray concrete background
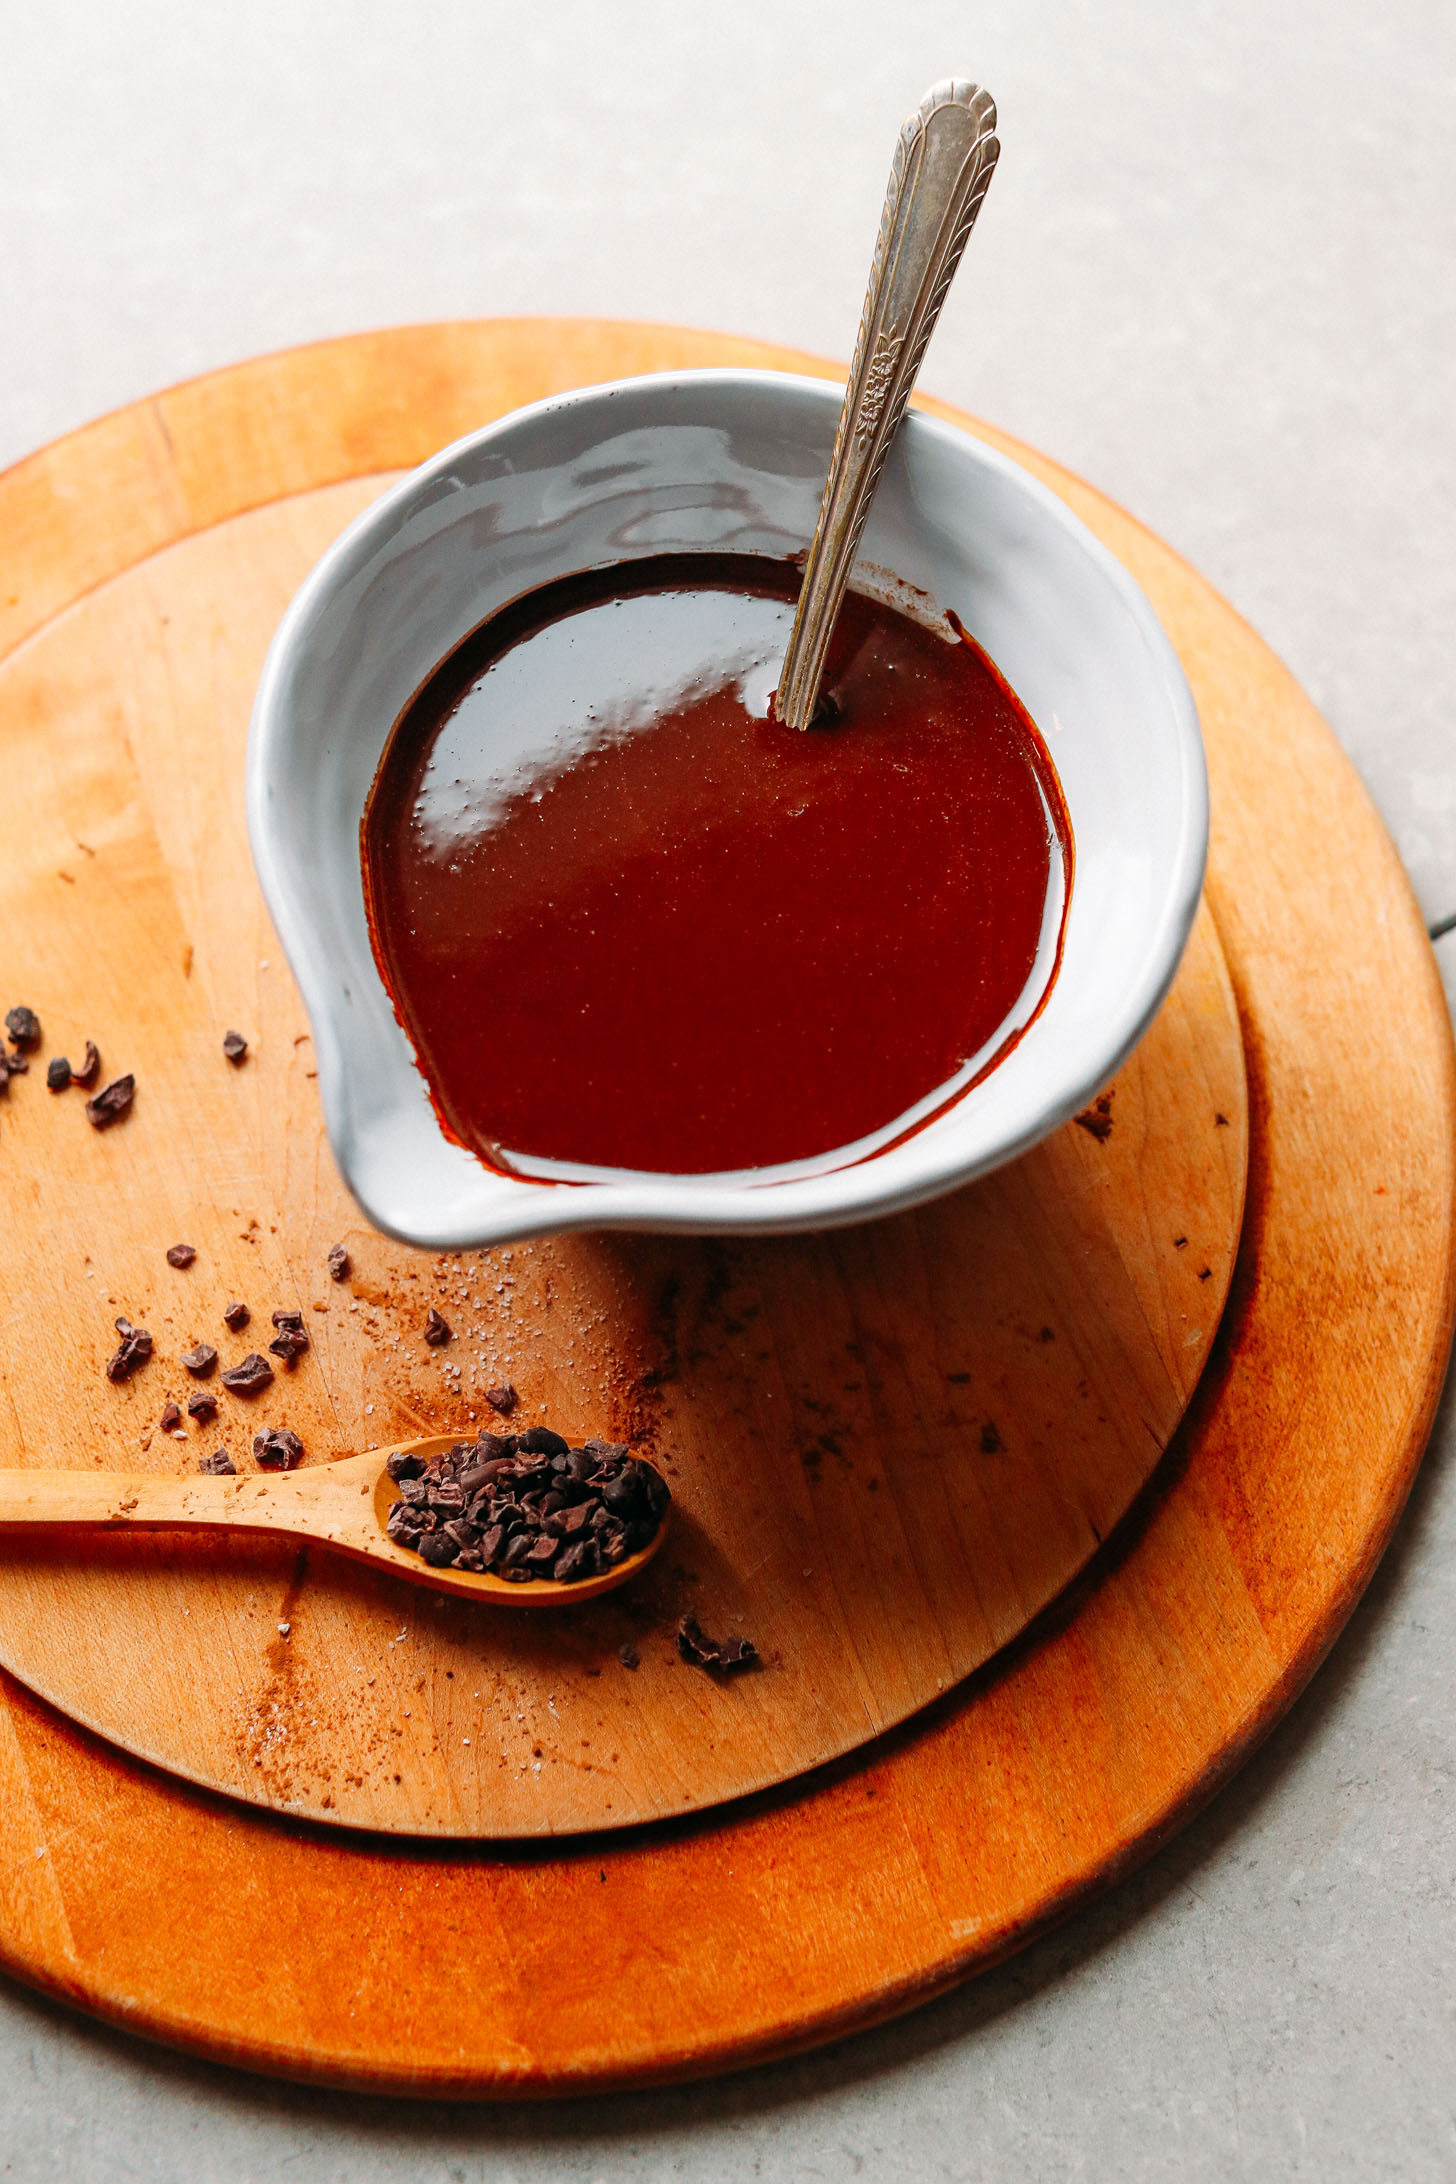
1215,274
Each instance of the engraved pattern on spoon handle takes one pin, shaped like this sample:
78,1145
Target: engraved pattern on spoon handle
941,171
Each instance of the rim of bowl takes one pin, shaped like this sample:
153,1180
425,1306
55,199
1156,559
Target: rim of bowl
837,1197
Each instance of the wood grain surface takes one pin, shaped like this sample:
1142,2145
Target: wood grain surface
888,1448
696,1945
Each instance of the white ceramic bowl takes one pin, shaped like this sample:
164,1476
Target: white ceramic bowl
731,461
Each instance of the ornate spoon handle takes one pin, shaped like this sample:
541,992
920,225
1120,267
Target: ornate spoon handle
941,171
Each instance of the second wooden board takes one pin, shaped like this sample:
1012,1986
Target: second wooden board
889,1447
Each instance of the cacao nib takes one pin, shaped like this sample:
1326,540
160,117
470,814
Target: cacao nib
341,1266
170,1419
90,1068
236,1316
58,1073
235,1047
202,1406
136,1348
503,1399
291,1340
200,1362
278,1449
219,1463
438,1330
719,1657
541,1441
250,1376
111,1103
181,1255
23,1026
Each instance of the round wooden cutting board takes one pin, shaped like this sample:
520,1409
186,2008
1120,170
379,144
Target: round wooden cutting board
889,1447
793,1916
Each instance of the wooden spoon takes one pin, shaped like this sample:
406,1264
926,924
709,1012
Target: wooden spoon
344,1505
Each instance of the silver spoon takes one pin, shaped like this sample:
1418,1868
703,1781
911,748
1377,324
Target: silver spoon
941,171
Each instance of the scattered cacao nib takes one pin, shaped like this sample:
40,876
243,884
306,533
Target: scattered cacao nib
527,1506
277,1449
90,1068
438,1330
341,1266
219,1463
111,1103
250,1376
202,1406
291,1340
720,1657
235,1047
58,1073
200,1362
136,1348
170,1419
181,1255
629,1656
23,1026
15,1065
503,1399
236,1316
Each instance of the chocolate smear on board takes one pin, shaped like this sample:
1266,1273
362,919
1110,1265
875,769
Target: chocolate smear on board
90,1068
341,1266
1096,1120
111,1103
235,1047
136,1348
58,1074
23,1026
200,1362
503,1399
438,1330
277,1449
720,1657
181,1255
250,1376
236,1316
202,1406
220,1464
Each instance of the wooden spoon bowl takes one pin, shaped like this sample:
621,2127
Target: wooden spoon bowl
343,1505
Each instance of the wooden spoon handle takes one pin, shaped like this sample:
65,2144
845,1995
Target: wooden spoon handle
250,1503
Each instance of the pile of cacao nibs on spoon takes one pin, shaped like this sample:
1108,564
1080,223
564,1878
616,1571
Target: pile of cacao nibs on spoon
527,1505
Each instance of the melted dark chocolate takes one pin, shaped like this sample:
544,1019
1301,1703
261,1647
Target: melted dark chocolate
630,921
